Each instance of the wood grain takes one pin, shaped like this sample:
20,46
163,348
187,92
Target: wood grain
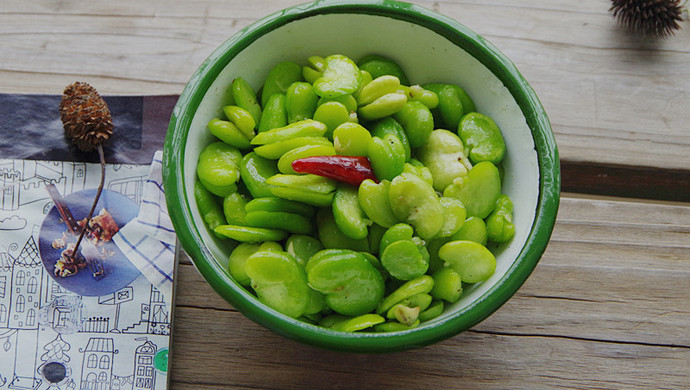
613,98
609,297
607,307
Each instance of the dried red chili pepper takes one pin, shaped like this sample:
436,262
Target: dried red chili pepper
347,169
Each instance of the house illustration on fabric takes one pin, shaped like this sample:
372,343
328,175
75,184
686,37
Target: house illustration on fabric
23,181
144,371
154,316
130,187
97,365
20,300
98,361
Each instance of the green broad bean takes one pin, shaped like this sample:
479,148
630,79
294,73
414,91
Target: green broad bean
250,234
351,285
394,326
242,119
482,138
474,229
279,282
348,214
239,255
341,76
217,190
316,303
391,126
300,102
376,232
416,168
454,216
285,161
332,114
422,301
447,285
419,94
279,80
325,254
244,96
499,224
227,132
403,260
218,168
382,107
414,201
351,139
274,114
374,199
397,232
314,70
331,320
387,156
432,246
453,104
420,285
473,261
478,191
376,263
233,209
310,189
290,222
379,66
271,203
348,101
305,128
403,314
443,155
365,78
210,210
332,237
432,312
254,171
377,88
312,318
275,150
417,121
358,323
302,247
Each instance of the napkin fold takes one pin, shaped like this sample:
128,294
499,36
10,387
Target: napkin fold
149,239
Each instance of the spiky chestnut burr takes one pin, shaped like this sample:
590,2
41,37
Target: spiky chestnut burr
88,124
655,18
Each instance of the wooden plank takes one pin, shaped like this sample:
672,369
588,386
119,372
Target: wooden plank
626,181
240,354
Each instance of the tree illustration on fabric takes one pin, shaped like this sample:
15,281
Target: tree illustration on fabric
56,350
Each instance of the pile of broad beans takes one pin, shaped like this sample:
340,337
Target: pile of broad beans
355,201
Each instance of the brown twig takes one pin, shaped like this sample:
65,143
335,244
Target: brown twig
95,200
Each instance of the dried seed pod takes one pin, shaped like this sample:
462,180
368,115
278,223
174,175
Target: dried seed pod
85,116
650,17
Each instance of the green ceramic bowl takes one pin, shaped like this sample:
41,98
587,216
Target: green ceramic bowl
431,48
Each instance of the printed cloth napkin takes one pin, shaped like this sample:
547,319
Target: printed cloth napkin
149,239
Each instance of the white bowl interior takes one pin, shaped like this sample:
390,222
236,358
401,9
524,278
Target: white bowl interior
426,57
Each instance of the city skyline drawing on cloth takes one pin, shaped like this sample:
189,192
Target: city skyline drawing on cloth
52,338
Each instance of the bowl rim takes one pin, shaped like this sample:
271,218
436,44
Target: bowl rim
487,54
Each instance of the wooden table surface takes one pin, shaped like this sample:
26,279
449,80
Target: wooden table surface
608,306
